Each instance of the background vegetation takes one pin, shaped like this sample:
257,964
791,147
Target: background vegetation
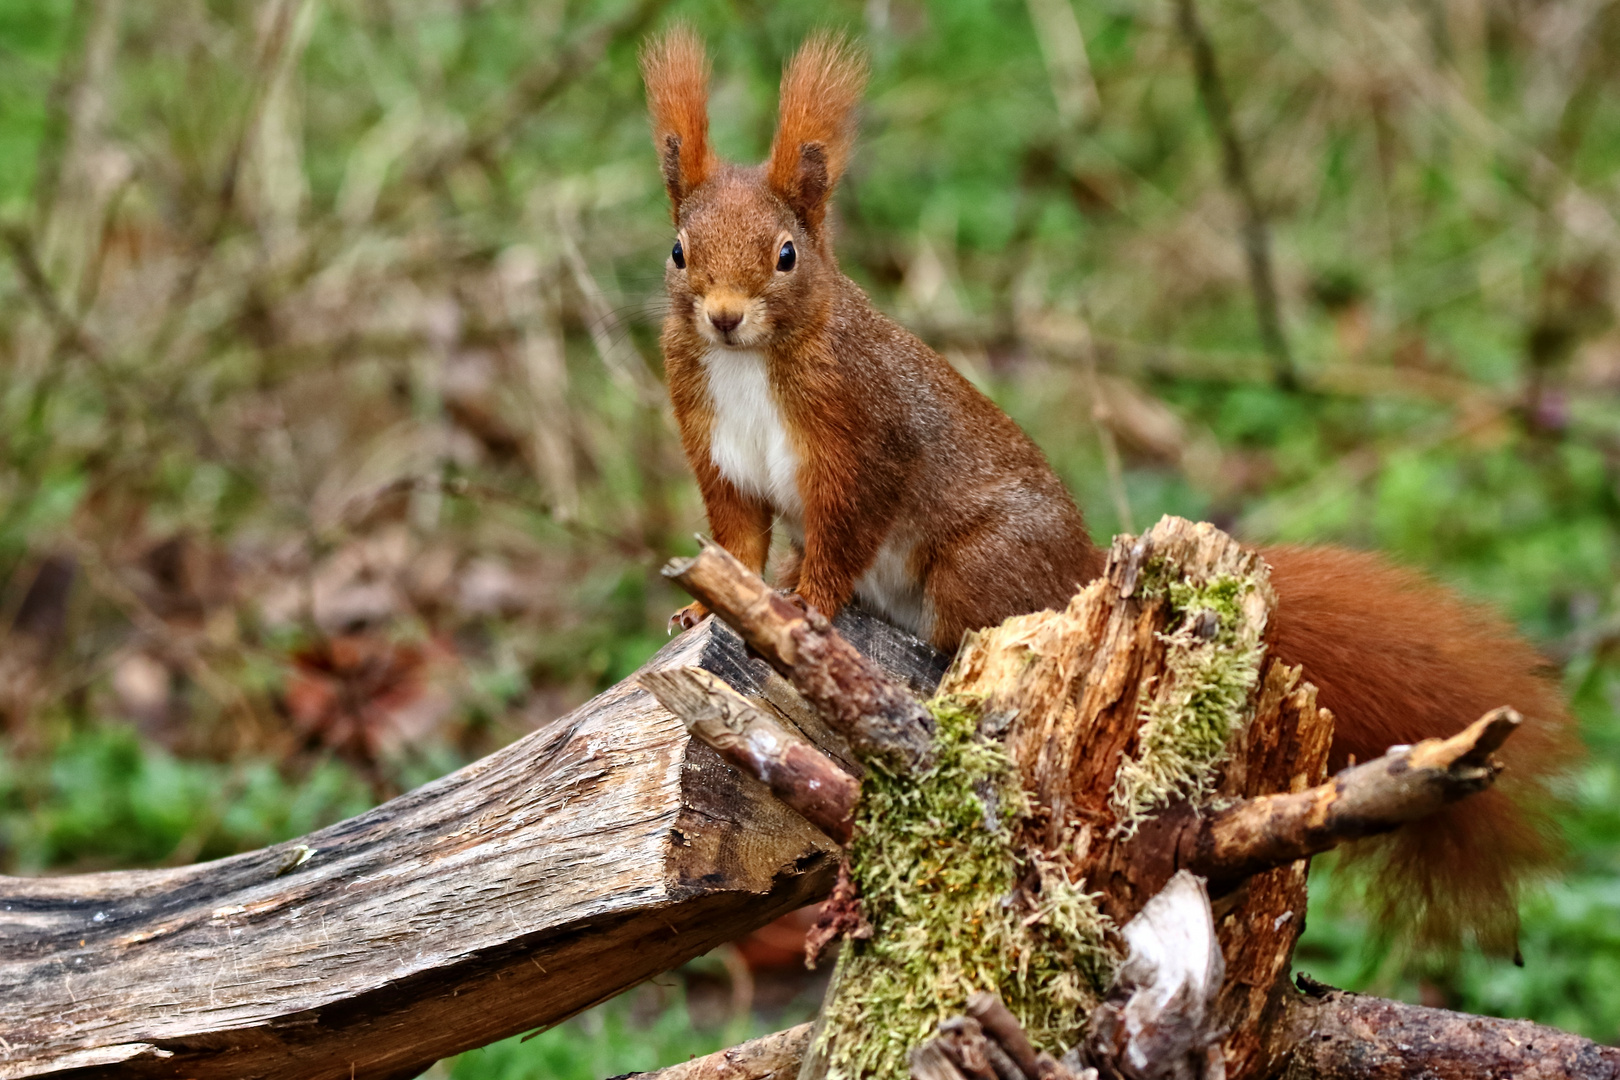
333,451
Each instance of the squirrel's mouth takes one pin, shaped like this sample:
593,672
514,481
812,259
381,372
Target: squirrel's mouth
745,331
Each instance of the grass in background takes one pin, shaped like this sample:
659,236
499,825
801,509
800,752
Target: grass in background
327,329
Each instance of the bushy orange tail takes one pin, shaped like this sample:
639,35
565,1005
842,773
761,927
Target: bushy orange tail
1399,659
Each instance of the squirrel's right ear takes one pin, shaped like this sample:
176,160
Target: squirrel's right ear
677,76
815,127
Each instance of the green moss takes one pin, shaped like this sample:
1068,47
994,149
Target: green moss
1213,665
937,867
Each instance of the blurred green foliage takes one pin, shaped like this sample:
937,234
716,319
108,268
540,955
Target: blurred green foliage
331,324
610,1040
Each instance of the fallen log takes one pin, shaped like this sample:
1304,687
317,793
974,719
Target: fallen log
509,895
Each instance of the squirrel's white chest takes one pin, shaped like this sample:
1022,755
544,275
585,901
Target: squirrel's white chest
749,440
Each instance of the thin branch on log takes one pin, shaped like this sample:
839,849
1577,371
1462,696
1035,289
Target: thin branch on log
762,746
1326,1034
879,716
1333,1035
1405,785
770,1057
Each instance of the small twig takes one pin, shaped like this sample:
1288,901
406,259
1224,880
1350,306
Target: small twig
68,329
756,742
879,716
1256,233
1405,785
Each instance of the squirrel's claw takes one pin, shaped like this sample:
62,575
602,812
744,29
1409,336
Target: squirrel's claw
687,617
795,599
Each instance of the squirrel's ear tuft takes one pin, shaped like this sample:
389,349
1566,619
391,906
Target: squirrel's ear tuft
677,76
816,124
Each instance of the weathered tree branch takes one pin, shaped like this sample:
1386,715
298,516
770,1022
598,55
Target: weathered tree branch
1405,785
1329,1034
760,745
596,852
878,715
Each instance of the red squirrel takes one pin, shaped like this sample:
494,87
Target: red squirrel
904,488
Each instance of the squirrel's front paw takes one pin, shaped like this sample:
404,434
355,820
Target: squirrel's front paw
688,617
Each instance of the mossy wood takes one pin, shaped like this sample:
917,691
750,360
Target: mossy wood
601,850
1063,734
1082,760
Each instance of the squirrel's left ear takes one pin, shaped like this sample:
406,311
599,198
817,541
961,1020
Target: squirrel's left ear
815,125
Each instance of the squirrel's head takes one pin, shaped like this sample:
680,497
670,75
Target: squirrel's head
752,258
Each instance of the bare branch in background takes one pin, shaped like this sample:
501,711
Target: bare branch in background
68,328
528,291
77,103
1256,233
536,89
605,325
1102,420
1063,47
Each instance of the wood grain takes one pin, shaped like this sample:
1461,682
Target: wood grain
1328,1034
762,746
509,895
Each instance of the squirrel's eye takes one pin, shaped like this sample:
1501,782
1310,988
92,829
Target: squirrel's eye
786,257
678,255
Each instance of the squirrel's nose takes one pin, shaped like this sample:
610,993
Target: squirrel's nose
725,321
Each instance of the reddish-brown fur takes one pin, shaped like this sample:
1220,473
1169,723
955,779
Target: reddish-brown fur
910,491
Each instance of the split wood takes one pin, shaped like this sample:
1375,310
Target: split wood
578,862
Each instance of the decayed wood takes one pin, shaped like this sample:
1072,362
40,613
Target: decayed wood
773,1057
760,745
1285,748
598,851
1068,691
857,697
1159,1018
1333,1035
1405,785
962,1051
1073,686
